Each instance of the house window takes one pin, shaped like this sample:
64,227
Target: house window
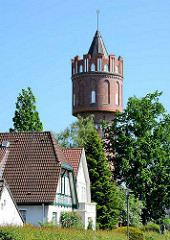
117,69
54,219
93,67
4,203
93,97
23,214
63,185
2,206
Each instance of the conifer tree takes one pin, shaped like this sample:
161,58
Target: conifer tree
103,189
26,117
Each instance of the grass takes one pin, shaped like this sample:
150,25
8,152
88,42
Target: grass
29,232
156,236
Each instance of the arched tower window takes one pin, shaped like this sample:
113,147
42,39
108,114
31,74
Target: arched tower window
81,69
74,96
93,67
106,89
93,97
117,94
93,92
117,69
86,64
81,94
106,68
76,65
99,64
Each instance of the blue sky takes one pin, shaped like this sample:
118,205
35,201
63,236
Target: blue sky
39,38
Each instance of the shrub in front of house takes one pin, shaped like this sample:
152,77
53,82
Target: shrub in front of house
134,233
6,235
71,220
150,227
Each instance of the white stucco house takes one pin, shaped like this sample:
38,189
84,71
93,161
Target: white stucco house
40,177
87,209
9,213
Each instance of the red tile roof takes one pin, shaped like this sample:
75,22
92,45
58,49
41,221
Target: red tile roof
33,166
73,155
2,156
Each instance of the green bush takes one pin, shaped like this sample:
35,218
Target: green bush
71,220
156,236
90,225
6,235
151,227
166,221
134,233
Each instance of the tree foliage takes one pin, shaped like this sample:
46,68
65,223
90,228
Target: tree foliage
103,189
135,209
26,118
139,143
76,135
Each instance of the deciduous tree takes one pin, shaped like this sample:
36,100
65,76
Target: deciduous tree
26,117
76,134
139,145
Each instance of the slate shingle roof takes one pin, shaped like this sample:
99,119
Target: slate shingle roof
73,155
97,46
33,166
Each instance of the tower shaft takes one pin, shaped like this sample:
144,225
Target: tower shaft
97,84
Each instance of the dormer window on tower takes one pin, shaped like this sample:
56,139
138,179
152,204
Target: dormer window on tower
93,67
99,64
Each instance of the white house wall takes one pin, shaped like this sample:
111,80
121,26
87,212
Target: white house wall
42,213
86,209
8,211
81,184
56,209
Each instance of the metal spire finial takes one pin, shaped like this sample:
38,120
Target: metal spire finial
97,19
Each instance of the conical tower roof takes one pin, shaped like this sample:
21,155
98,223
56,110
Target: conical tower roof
98,46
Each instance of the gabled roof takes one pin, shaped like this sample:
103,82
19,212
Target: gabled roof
98,46
33,165
73,155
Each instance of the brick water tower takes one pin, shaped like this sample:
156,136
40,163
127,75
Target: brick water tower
97,83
